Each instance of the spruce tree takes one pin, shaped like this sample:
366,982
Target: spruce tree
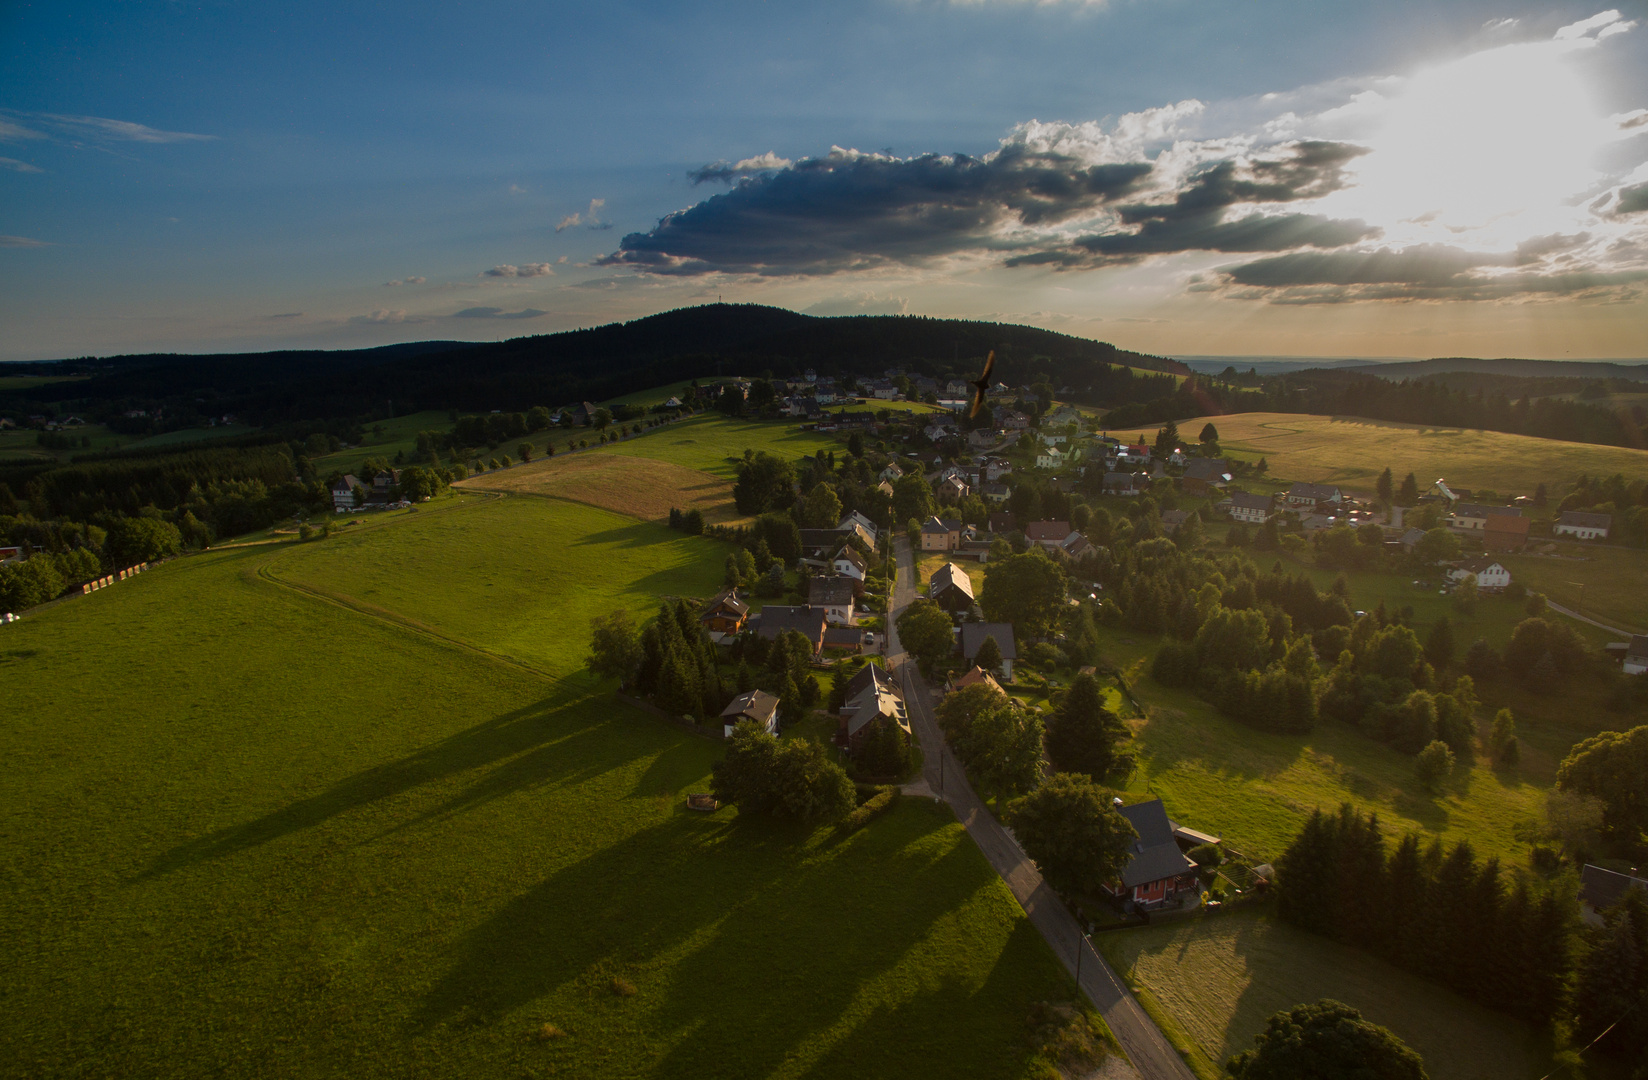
1082,735
1439,645
1408,495
1385,486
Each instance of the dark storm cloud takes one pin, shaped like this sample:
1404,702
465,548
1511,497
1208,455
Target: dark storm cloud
1633,199
1421,272
851,211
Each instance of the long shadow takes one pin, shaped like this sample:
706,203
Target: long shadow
500,738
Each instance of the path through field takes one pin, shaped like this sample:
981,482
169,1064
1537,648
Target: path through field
1141,1040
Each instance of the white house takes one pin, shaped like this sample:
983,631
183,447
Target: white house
835,595
850,564
891,473
1051,457
1490,575
1636,656
1253,509
343,493
1583,526
756,705
856,518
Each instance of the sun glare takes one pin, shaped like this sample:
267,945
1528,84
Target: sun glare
1498,144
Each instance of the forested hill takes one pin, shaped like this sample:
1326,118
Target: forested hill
589,364
1508,367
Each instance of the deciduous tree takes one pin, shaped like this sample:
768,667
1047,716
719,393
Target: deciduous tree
1078,839
1327,1040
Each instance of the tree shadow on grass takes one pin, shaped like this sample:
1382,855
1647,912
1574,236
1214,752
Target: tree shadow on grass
538,744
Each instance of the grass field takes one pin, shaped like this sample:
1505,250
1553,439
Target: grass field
27,382
639,487
1221,978
1351,451
350,809
1609,584
23,444
712,443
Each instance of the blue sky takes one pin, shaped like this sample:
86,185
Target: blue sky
1288,178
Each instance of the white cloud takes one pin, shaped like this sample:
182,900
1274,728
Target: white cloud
516,189
385,316
540,269
497,313
590,217
118,130
404,281
21,242
16,166
10,132
860,303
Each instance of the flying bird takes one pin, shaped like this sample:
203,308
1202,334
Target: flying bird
982,383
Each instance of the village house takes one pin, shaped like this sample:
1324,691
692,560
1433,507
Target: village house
974,675
951,489
1075,545
940,534
1003,522
951,589
1051,457
1411,538
1172,519
892,472
724,615
343,492
1583,526
1249,508
1204,475
849,563
1601,889
1011,419
1157,872
972,639
996,493
982,439
754,705
1505,532
1636,655
857,519
1049,534
958,388
1312,496
938,432
804,619
835,595
872,698
1490,575
1124,483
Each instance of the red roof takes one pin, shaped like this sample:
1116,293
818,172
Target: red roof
1505,523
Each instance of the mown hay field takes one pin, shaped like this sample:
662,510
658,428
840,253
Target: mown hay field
1352,451
1220,978
713,443
639,487
350,808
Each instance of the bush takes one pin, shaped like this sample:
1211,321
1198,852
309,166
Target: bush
881,802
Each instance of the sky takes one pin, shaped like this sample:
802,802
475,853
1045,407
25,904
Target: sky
1179,177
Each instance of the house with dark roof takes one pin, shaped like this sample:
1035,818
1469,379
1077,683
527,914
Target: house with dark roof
1124,484
951,589
879,704
1204,475
818,543
1583,526
1245,506
833,593
1302,495
1636,655
1157,873
757,706
1172,519
343,492
725,614
804,619
1491,575
1601,889
940,534
972,639
1003,522
975,675
849,563
1474,517
1049,534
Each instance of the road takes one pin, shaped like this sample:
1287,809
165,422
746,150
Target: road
1141,1040
1559,609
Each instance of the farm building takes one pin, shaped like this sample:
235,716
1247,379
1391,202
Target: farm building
1473,517
1125,484
1203,475
1158,872
1505,532
951,588
755,705
1583,526
1490,576
972,639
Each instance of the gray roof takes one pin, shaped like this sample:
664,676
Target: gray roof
1638,647
1122,479
938,525
774,619
850,554
870,675
1155,855
974,633
729,599
1603,888
835,589
1174,517
758,705
1586,521
1208,469
951,576
821,538
1302,490
1249,501
1413,536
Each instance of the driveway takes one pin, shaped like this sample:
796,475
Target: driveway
1141,1040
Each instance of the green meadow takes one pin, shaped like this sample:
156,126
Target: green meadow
350,808
715,444
386,438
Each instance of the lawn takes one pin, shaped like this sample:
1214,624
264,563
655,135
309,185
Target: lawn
24,445
715,444
1221,978
257,831
1609,584
639,487
386,438
189,435
1351,451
